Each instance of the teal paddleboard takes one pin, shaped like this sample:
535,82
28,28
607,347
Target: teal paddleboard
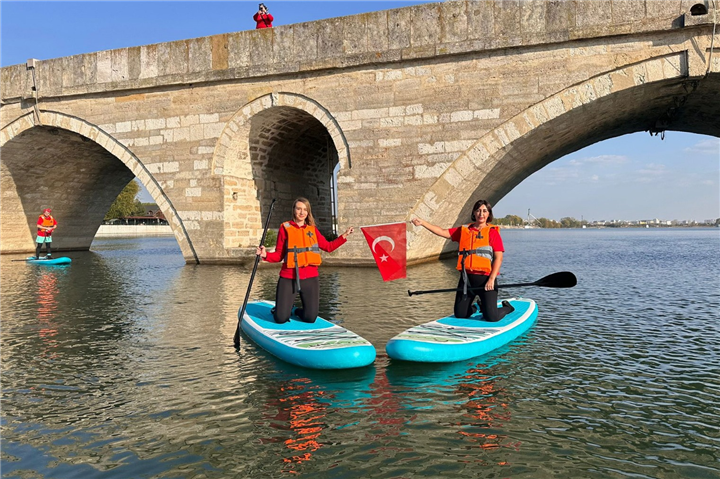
318,345
453,339
49,261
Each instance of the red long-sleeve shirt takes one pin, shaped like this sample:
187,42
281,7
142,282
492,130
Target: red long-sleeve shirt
306,271
263,20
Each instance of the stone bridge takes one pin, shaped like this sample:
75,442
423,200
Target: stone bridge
373,117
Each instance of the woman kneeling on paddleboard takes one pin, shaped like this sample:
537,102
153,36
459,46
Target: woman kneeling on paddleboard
298,245
479,258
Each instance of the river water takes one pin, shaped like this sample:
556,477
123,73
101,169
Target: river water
121,365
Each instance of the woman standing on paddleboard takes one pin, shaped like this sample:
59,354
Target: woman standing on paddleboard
480,256
298,246
46,224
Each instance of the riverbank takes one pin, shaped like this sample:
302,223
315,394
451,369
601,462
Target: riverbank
108,231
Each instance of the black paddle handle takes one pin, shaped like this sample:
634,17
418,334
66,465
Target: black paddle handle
236,338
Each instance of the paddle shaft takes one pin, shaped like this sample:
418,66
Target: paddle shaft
449,290
236,338
564,279
28,259
43,242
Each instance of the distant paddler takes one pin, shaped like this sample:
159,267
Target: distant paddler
46,224
480,256
299,243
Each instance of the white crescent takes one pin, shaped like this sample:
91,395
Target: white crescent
382,238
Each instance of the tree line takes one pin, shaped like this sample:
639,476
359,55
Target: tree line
566,222
126,204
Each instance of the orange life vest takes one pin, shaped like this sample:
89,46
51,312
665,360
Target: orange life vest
49,221
475,252
302,246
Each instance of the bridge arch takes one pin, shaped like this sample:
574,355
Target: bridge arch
40,166
652,95
279,146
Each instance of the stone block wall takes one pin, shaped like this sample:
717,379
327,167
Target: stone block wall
412,100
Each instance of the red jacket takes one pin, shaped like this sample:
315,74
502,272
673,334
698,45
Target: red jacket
264,20
307,271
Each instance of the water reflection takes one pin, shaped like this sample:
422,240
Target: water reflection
300,409
306,408
47,292
122,365
486,414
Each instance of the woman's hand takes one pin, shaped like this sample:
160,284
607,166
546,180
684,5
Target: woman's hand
490,283
261,251
443,233
348,232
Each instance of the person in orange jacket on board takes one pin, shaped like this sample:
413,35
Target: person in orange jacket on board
46,224
480,255
298,246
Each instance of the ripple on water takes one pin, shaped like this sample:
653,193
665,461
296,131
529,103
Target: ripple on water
122,366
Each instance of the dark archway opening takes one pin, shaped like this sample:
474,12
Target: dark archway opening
51,167
293,155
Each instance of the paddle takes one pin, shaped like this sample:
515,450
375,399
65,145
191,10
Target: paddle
564,279
236,338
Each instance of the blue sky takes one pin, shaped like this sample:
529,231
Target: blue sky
632,177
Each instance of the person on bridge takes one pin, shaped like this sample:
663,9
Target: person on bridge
46,224
479,258
262,18
298,246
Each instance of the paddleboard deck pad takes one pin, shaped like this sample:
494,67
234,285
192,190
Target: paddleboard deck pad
453,339
51,261
318,345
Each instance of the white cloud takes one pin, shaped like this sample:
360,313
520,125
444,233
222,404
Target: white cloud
651,172
710,146
559,174
600,160
653,169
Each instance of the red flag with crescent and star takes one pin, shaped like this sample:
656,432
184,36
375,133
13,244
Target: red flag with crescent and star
388,245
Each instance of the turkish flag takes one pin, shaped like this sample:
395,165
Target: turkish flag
389,247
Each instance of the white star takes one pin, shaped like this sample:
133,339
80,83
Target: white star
383,258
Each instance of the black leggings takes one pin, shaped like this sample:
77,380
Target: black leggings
38,246
286,294
464,307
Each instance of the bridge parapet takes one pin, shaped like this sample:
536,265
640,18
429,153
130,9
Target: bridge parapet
419,32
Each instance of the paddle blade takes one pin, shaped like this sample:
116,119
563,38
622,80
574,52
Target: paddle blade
563,279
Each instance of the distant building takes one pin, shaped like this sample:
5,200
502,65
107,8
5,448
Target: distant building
150,218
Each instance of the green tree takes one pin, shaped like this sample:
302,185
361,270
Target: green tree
569,222
547,223
509,220
126,204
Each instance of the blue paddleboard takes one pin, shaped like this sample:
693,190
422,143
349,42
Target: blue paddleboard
318,345
452,339
51,261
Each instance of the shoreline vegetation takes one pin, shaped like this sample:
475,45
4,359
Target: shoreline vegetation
513,221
